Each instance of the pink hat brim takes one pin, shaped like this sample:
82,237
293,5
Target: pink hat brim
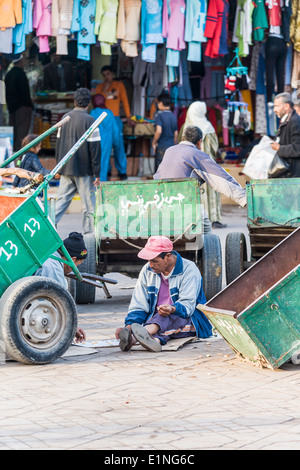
147,254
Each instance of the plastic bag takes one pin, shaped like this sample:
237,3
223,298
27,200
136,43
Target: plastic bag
279,167
258,163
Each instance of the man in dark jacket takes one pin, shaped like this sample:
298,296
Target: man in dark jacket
59,75
82,172
18,101
287,143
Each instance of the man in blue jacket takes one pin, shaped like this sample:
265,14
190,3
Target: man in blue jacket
164,301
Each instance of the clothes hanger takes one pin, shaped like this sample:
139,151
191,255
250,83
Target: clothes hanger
240,69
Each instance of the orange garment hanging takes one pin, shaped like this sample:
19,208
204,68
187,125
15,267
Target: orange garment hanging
10,13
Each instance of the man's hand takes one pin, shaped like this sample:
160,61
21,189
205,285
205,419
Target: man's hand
80,335
165,310
154,145
38,178
97,182
275,146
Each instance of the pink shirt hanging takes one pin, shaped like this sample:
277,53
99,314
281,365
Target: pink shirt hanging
174,23
41,21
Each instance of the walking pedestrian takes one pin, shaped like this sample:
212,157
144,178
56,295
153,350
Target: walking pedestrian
287,142
166,131
81,174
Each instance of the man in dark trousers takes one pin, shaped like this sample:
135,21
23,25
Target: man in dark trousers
18,101
287,142
82,172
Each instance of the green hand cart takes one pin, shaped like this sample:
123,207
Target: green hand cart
37,315
129,212
258,314
273,212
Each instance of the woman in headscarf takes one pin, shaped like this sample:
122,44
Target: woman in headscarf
196,116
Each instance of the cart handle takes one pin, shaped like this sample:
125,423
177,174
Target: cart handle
70,153
34,142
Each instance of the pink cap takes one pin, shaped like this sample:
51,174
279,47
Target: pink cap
154,246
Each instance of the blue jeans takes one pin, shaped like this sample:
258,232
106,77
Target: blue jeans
68,187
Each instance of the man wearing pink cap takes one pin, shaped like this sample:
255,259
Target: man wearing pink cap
163,304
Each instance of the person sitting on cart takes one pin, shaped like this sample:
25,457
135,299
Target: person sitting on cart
57,270
30,161
163,304
186,160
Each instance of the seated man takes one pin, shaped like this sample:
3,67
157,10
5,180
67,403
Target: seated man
186,160
57,270
163,304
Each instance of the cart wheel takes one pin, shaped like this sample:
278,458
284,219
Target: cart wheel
72,287
85,293
38,320
211,265
235,255
296,357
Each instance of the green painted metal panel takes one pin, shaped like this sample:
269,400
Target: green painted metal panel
234,334
267,331
139,209
273,202
27,239
273,321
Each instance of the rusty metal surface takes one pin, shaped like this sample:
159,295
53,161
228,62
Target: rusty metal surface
8,203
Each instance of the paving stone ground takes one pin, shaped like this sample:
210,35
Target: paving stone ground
199,397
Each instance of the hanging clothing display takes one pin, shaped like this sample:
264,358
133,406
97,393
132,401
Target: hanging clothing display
106,24
216,28
6,41
41,22
276,51
295,25
128,26
274,12
194,28
173,29
151,28
242,33
170,40
259,20
62,11
10,13
21,30
83,23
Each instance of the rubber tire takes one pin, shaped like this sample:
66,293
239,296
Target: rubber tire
72,287
235,255
14,301
85,293
211,265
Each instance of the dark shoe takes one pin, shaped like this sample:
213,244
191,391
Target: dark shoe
123,176
218,225
125,339
142,336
